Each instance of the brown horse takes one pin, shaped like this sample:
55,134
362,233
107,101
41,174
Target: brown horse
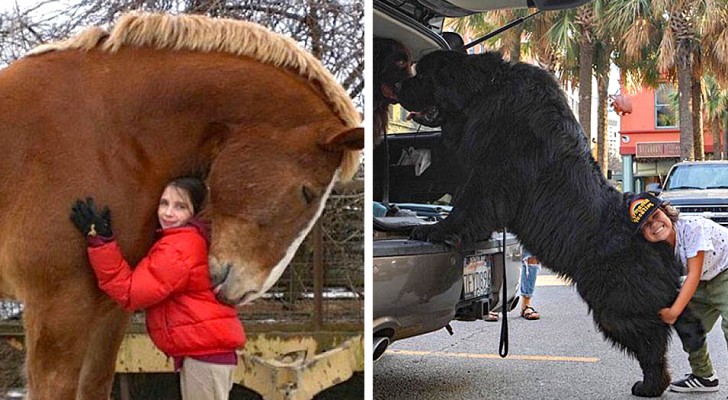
115,115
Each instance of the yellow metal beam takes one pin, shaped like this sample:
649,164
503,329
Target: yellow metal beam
291,367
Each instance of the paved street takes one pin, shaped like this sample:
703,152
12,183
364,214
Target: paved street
561,356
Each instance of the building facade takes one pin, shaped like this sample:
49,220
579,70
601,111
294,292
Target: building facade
650,137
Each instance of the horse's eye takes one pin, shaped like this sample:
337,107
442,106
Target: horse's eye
308,194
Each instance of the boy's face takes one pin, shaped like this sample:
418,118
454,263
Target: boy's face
657,228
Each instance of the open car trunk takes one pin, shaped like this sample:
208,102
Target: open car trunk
421,169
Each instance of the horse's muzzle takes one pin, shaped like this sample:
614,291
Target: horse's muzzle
235,302
219,274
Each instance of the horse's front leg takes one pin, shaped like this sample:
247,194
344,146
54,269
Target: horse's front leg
97,373
56,339
61,324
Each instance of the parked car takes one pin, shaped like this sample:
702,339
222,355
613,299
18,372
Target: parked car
699,188
420,287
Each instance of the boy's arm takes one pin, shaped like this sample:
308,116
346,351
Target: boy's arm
695,269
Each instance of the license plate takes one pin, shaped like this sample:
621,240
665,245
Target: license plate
476,275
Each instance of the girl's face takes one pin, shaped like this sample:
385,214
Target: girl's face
658,227
175,207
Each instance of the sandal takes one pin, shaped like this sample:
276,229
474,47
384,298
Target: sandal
491,317
530,313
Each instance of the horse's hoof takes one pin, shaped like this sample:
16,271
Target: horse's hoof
639,389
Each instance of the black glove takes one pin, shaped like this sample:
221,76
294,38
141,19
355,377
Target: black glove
88,221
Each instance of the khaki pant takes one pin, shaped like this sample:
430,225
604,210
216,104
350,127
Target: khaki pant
205,381
709,302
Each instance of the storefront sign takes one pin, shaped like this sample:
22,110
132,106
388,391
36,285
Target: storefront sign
657,150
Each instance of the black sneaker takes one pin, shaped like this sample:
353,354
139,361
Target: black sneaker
693,383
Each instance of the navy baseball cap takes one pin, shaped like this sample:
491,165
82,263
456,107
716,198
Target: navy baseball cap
641,207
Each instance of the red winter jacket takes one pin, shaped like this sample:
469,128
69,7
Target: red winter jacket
172,284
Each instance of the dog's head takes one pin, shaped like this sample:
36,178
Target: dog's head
392,65
445,82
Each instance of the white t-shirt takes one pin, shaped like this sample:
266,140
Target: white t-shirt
695,234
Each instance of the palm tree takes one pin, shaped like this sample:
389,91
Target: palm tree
573,34
636,34
585,21
678,54
557,46
476,25
602,61
537,45
680,49
716,107
714,42
697,104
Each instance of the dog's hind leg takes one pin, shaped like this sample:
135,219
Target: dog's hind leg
647,341
656,378
649,347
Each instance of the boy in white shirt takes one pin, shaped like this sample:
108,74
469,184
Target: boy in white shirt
701,245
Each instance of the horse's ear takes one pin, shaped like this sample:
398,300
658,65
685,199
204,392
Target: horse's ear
350,139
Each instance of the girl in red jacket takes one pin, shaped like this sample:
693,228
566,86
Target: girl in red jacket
172,284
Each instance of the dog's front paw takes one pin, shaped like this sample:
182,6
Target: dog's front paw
430,233
422,232
641,390
433,234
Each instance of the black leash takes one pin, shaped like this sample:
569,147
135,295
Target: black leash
385,180
503,346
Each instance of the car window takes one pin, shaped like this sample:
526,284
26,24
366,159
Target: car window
699,176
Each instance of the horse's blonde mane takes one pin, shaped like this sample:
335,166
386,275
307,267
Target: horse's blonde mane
200,33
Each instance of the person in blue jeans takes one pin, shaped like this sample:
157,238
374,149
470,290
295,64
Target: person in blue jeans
529,272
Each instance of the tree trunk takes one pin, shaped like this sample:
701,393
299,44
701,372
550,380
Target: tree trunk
697,100
586,55
602,122
513,43
687,151
717,147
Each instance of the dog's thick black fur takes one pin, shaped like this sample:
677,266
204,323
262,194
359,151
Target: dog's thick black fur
530,170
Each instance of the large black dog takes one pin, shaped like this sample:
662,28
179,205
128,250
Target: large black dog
530,170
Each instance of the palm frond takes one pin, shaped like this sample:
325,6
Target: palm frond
667,51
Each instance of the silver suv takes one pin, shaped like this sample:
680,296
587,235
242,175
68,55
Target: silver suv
699,188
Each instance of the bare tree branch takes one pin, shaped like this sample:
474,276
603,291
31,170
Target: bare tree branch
331,30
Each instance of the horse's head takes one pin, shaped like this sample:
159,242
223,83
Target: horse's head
265,196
